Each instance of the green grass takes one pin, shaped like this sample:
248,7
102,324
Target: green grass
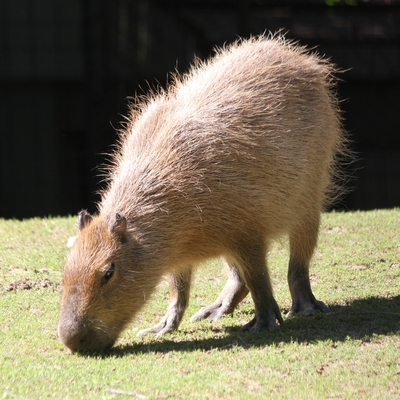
351,353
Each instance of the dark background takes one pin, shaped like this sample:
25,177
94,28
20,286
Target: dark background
67,68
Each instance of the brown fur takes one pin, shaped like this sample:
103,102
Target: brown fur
236,153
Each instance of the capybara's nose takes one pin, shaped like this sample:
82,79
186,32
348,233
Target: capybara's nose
74,337
79,338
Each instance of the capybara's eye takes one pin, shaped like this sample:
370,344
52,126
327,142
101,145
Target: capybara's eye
107,276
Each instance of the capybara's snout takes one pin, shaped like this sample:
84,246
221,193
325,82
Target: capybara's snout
81,336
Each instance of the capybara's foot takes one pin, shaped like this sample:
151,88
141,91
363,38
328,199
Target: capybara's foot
231,295
170,322
264,323
225,304
303,299
308,307
212,312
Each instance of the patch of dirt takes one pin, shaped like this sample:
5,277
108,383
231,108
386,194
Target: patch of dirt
27,284
336,229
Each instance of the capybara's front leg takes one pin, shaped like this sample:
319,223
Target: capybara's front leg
253,268
231,295
302,245
179,287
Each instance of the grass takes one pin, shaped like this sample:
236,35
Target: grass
351,353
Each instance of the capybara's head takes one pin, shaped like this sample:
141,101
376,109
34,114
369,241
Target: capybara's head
99,296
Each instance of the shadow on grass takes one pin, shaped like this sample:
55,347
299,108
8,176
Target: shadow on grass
358,320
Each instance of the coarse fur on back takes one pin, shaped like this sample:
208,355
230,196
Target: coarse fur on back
237,152
281,65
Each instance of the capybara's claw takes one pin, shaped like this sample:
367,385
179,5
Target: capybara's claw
309,308
267,322
211,313
231,295
156,330
170,322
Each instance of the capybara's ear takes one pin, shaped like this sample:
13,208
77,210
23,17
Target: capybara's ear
84,218
118,227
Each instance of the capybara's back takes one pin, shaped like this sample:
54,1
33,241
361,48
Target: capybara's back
238,152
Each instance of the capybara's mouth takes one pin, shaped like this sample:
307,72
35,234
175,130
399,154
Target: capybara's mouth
86,341
93,351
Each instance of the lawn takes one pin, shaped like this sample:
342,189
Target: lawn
351,353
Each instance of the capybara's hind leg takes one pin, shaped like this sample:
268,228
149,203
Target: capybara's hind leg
179,287
302,244
231,295
251,262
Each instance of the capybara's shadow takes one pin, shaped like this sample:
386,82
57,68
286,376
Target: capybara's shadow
360,319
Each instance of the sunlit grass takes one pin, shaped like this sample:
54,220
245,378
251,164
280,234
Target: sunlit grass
351,353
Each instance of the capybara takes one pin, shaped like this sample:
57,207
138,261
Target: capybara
234,154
